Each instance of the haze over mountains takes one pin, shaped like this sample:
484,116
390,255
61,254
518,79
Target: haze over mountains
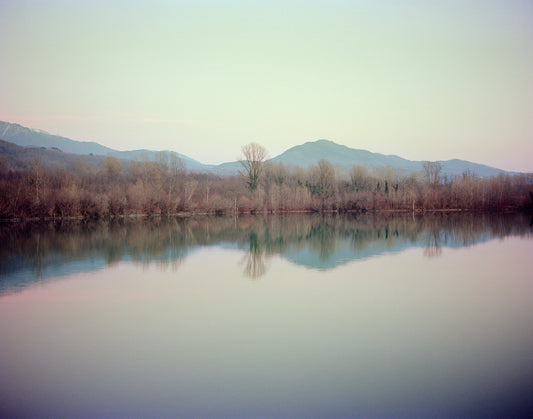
303,155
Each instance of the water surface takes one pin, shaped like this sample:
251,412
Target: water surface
295,316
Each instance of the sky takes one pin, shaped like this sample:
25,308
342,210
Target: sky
422,80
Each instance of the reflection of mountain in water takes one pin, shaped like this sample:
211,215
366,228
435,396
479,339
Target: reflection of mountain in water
359,246
31,253
343,254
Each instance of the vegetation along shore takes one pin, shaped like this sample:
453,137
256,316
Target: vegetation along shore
164,187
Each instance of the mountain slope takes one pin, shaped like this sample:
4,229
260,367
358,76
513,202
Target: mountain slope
27,137
311,152
20,157
303,155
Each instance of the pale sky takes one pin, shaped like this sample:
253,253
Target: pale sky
424,80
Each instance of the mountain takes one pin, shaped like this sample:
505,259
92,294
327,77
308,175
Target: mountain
310,153
28,137
25,137
303,155
20,156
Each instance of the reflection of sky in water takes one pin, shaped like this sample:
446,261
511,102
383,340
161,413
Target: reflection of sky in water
397,335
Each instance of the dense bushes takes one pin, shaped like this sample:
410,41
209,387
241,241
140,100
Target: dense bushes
165,188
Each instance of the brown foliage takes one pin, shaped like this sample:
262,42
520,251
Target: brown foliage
164,188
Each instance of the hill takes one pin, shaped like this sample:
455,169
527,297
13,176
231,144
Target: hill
310,153
28,137
21,157
303,155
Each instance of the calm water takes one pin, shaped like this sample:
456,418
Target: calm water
295,316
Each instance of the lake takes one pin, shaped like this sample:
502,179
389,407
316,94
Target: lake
392,315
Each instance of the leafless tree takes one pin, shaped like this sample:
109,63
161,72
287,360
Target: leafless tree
36,178
323,183
432,170
252,162
113,169
173,167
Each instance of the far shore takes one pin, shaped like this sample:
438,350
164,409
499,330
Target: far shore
191,214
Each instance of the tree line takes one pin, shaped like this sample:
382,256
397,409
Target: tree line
165,187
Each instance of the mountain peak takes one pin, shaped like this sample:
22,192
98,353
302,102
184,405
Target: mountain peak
323,142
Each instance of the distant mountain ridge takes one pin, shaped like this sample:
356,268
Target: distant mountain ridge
19,156
303,155
311,152
28,137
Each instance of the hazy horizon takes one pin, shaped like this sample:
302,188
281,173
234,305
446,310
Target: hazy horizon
421,81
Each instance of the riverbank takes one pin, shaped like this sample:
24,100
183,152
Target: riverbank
190,214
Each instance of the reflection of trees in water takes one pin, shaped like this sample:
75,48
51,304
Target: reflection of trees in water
254,261
433,246
166,242
322,238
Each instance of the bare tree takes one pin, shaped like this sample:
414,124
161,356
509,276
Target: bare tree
252,162
113,168
323,181
173,167
36,177
189,188
275,176
359,178
432,170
